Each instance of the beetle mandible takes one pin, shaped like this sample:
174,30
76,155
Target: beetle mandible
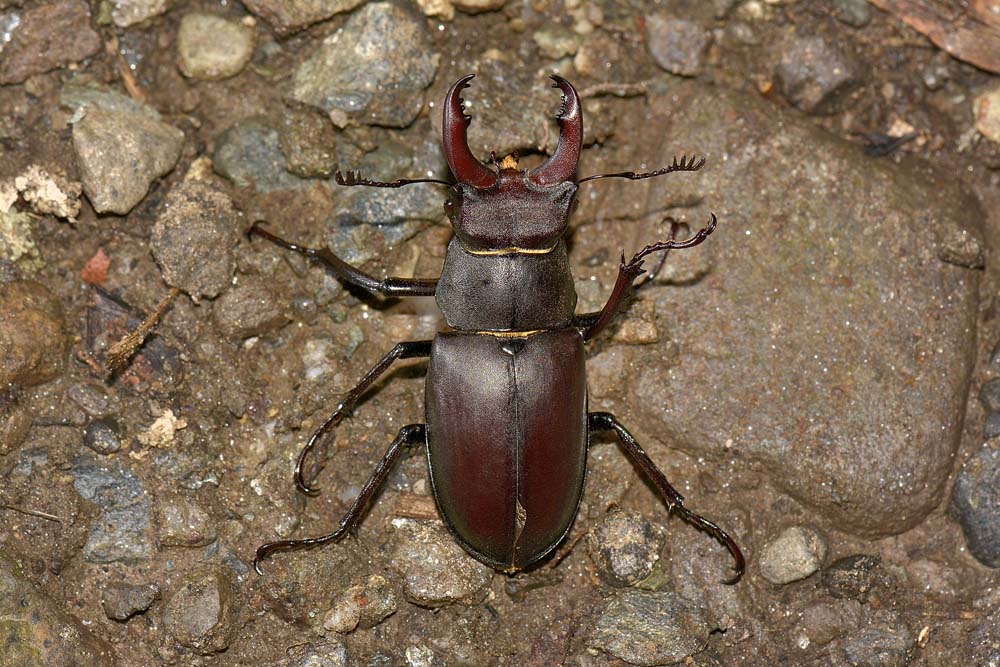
506,423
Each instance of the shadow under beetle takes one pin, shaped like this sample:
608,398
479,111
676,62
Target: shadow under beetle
507,427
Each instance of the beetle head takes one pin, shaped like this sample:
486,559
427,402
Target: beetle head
504,208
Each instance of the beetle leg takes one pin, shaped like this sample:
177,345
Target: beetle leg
391,287
605,421
593,323
405,350
408,436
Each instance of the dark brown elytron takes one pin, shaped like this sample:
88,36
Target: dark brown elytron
506,424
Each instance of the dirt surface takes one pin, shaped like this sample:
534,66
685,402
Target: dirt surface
816,378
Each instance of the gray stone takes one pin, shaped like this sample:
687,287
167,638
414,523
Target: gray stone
79,97
822,622
183,523
38,633
853,577
991,427
327,653
374,69
624,546
647,629
211,47
827,417
102,436
194,237
882,640
856,13
32,341
249,155
122,533
47,37
975,503
288,16
125,13
677,45
989,395
91,398
122,601
795,554
814,74
120,154
436,571
200,613
984,642
249,309
309,143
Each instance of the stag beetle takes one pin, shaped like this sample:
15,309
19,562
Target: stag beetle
506,424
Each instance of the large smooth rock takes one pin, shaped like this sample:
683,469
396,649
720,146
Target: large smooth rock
828,342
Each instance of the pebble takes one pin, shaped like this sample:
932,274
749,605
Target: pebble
374,69
645,628
37,632
200,614
556,41
442,9
194,237
795,554
677,45
31,335
17,241
364,605
478,6
855,13
125,13
288,16
625,547
120,154
102,436
250,308
882,640
327,653
183,523
989,395
211,47
249,154
853,577
986,108
436,571
15,422
962,247
49,194
91,398
814,75
991,427
975,502
122,601
308,143
47,37
77,97
984,642
123,531
822,622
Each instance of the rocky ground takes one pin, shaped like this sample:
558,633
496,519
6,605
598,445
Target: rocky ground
822,377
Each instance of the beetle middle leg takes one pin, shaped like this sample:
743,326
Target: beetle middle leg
605,421
408,436
405,350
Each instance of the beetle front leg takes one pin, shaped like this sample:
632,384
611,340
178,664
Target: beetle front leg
408,436
405,350
390,287
592,323
605,421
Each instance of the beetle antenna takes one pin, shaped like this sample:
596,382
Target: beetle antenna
693,163
355,178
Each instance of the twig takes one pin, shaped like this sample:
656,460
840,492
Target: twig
125,71
616,89
39,514
119,353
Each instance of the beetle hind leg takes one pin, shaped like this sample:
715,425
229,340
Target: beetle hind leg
408,436
305,472
605,421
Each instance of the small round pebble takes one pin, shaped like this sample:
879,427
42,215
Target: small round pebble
102,436
200,613
211,47
122,601
975,503
793,555
677,45
436,571
624,547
